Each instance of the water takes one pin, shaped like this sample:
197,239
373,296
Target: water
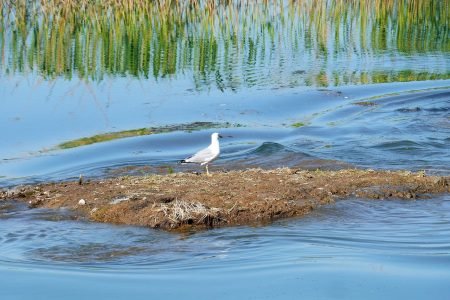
355,248
309,84
406,128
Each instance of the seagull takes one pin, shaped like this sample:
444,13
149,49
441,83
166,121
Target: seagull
207,155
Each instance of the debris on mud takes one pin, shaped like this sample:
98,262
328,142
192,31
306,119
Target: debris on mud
184,200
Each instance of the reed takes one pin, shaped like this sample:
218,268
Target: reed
219,42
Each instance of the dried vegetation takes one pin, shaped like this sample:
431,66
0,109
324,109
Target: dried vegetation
185,201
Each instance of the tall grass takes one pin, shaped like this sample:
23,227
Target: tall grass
221,42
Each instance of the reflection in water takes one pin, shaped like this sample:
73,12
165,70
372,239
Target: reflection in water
228,44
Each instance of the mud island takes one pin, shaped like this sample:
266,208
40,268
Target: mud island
183,201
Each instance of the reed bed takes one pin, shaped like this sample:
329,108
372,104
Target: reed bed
220,42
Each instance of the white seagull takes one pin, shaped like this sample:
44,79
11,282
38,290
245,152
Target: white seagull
207,155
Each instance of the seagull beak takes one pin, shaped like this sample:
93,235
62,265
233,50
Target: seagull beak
220,137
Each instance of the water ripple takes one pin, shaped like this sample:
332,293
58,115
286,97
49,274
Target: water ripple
356,228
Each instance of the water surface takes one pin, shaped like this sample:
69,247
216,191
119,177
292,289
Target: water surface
356,248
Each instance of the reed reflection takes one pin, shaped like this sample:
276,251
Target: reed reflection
228,44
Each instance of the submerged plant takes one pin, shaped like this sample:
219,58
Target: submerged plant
109,136
298,124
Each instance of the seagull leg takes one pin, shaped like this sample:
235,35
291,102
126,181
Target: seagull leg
207,172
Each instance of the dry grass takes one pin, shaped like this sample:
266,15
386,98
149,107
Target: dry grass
183,212
183,200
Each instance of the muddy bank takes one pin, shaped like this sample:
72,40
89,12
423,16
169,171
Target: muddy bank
184,200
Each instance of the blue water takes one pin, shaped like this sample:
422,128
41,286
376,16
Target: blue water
407,128
354,249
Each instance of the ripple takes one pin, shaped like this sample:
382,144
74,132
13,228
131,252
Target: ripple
268,148
353,228
403,145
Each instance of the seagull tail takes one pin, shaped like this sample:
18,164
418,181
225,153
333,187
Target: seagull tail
185,161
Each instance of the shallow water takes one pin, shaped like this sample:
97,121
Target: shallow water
307,84
406,126
355,248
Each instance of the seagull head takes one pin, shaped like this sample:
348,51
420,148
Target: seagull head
215,136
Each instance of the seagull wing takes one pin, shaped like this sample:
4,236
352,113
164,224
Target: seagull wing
203,156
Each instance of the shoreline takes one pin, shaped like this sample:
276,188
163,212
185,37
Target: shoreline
184,201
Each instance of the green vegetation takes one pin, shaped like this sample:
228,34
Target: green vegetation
220,43
373,99
298,124
104,137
